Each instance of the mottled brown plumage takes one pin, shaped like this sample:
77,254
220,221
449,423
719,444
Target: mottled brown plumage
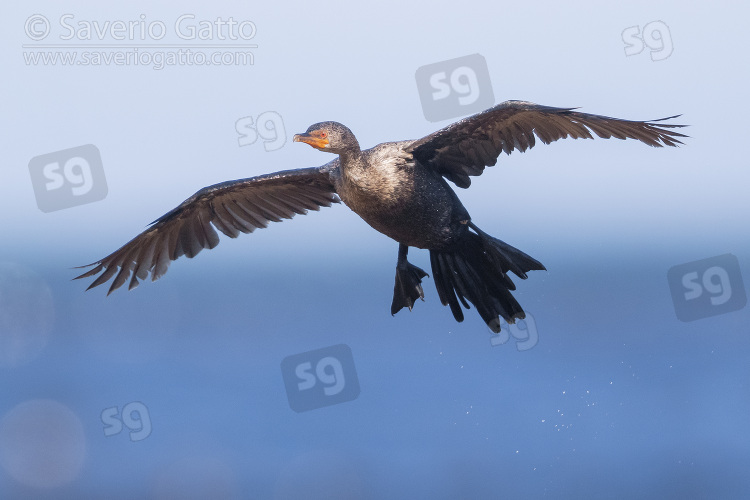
400,189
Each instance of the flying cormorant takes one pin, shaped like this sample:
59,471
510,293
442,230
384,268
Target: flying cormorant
398,188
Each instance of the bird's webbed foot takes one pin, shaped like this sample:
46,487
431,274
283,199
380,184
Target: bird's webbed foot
408,287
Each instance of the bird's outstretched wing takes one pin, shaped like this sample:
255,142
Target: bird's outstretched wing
464,148
233,207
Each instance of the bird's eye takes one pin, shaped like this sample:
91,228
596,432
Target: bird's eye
323,135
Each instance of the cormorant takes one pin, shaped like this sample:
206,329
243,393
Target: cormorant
398,188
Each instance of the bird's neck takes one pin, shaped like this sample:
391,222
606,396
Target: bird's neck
351,157
353,166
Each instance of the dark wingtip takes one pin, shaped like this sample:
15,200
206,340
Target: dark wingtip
90,272
668,118
668,137
85,266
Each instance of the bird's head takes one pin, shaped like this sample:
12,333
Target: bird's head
331,137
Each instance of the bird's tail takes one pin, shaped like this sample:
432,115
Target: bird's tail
476,270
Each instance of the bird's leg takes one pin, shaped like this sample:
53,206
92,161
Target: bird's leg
408,287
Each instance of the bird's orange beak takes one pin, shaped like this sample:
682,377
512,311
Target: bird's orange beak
312,140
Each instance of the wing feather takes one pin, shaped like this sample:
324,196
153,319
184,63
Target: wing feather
466,147
232,207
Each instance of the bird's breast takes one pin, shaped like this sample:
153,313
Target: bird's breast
401,199
382,185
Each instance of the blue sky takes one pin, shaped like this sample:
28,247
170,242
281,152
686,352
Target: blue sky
646,399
